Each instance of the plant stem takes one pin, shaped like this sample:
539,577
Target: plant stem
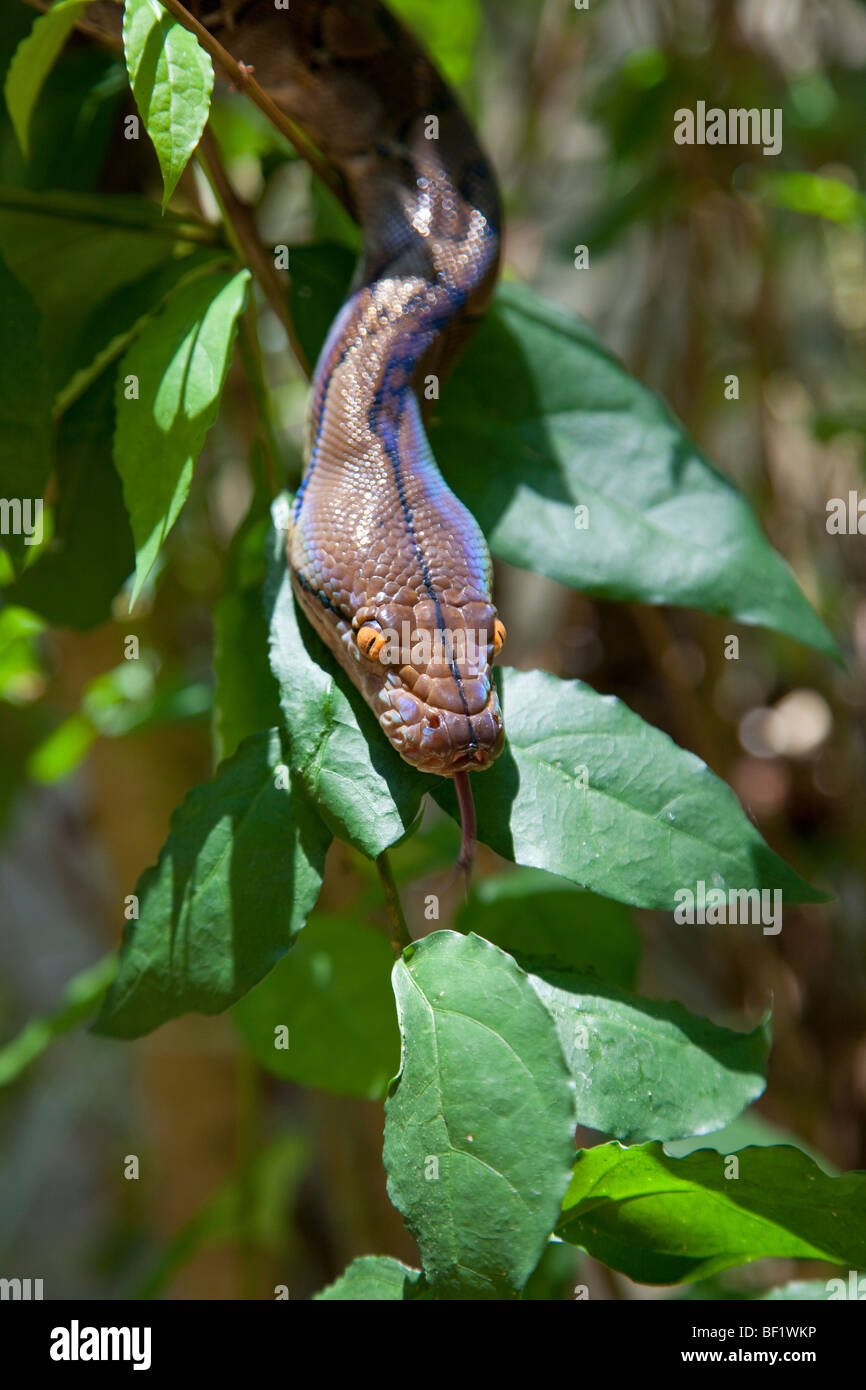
399,932
241,229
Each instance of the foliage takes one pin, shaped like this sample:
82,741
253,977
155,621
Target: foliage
523,1022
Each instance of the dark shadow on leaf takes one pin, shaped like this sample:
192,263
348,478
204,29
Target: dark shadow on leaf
195,953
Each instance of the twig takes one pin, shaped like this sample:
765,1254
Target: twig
87,208
241,228
241,77
399,933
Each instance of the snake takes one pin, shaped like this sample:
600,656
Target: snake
388,565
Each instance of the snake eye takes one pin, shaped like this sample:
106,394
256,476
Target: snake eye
499,636
370,641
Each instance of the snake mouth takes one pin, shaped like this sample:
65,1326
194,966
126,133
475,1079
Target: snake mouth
442,741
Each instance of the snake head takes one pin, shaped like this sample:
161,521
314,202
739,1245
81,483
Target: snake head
425,671
435,697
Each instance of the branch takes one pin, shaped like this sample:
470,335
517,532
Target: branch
241,227
399,932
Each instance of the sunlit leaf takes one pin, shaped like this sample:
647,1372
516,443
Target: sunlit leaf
168,390
172,80
668,1220
476,1152
539,419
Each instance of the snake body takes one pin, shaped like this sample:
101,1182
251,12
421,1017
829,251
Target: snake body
379,547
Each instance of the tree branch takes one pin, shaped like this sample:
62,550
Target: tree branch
241,227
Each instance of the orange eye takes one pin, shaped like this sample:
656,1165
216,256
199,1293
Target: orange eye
370,641
499,636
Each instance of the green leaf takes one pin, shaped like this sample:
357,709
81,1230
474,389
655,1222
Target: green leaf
537,914
373,1279
172,79
588,790
33,60
235,882
646,1069
62,751
75,253
479,1125
332,992
448,30
25,413
319,278
91,552
117,320
539,418
360,786
814,195
20,665
179,362
80,999
667,1220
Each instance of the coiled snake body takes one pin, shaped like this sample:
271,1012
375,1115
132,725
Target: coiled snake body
378,541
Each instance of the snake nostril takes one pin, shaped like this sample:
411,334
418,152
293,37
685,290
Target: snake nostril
433,721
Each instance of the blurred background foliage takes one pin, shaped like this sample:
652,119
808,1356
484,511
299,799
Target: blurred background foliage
703,261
